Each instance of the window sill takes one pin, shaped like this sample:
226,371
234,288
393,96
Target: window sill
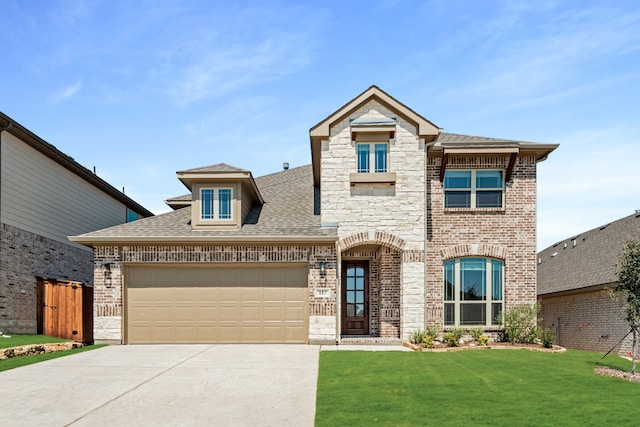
372,178
473,210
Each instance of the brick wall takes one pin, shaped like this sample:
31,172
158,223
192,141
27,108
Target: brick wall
586,321
23,257
108,302
508,233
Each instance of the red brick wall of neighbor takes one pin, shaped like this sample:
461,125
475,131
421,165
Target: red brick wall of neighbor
23,257
508,233
589,321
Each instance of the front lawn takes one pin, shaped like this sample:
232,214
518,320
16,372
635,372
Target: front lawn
18,340
490,387
21,340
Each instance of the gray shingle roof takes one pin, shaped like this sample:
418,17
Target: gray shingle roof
220,167
288,211
590,262
467,139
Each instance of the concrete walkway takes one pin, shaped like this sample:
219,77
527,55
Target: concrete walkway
166,385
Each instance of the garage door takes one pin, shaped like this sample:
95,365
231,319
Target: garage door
216,305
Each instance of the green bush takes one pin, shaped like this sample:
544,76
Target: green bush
476,333
451,338
417,336
483,340
547,336
428,341
430,331
521,324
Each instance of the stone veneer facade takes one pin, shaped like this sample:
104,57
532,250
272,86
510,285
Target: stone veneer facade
25,256
108,286
507,233
388,216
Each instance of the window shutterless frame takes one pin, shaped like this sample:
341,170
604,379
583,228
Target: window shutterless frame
473,292
216,203
474,189
376,154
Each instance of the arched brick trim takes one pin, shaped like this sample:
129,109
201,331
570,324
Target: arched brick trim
372,238
474,249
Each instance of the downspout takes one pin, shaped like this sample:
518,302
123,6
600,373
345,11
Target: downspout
338,292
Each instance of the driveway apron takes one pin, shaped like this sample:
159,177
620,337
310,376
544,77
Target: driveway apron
166,385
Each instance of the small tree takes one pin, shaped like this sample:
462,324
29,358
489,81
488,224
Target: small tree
627,290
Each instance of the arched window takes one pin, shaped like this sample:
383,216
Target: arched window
473,292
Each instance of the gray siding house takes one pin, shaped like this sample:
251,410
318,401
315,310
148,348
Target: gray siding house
46,196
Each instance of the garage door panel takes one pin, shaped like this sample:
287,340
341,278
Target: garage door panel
209,305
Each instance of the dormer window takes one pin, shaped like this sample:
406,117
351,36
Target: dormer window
372,154
216,203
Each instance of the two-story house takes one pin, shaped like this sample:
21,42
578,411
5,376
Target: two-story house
45,196
394,225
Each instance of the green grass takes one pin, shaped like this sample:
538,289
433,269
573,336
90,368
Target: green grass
492,388
19,340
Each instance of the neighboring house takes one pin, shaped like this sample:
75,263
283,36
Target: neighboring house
394,225
573,278
46,196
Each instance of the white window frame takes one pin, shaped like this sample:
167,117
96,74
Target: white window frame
216,204
473,190
372,157
488,301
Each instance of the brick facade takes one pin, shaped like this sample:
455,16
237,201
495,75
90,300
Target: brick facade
24,256
109,282
578,324
507,233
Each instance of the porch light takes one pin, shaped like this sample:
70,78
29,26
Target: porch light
323,268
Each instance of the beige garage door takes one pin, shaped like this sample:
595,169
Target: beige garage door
216,305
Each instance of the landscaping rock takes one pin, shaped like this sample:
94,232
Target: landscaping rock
30,350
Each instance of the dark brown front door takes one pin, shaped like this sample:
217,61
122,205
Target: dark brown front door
355,298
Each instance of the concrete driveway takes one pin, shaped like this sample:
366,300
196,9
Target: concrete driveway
166,385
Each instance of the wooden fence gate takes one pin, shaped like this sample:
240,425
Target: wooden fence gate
65,310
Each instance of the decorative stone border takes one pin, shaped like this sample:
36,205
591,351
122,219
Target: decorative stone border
33,349
494,346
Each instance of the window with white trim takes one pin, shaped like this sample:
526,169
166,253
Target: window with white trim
215,203
473,188
372,157
473,292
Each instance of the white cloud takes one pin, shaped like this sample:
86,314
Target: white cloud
67,92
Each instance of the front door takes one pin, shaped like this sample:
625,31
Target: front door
355,298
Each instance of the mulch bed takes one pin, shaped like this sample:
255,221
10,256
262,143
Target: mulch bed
441,348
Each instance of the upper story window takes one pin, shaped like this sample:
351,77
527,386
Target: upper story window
473,189
372,157
131,215
473,291
215,203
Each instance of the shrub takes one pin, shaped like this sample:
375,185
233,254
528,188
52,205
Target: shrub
417,336
428,341
476,333
451,338
483,340
502,336
547,336
430,331
520,323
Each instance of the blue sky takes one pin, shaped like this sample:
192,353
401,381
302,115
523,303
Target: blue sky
143,89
